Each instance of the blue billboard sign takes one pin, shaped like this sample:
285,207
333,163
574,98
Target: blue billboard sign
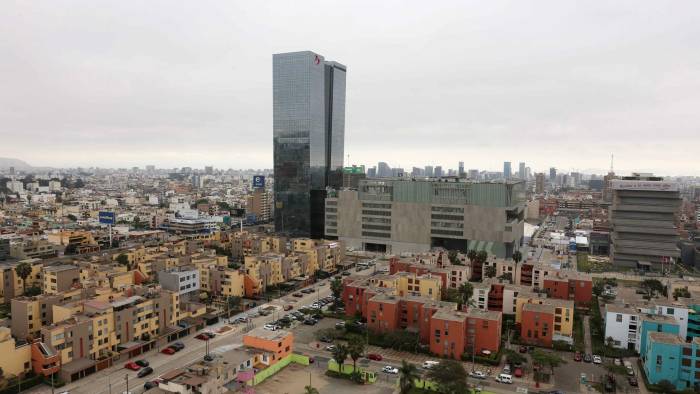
259,181
107,217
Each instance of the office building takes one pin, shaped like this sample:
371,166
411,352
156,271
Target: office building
182,280
474,174
552,174
396,216
461,169
428,171
507,173
643,219
521,171
308,137
539,183
438,171
372,172
259,206
383,170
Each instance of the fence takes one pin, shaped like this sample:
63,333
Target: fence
274,368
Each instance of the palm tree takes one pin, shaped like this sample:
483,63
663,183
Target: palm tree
340,353
466,291
23,270
308,389
471,254
356,347
517,257
408,373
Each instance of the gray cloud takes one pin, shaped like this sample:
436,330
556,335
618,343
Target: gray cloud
551,83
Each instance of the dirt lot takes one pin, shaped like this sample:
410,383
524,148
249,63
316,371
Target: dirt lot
294,377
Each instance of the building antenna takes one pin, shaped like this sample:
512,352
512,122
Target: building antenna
612,158
348,162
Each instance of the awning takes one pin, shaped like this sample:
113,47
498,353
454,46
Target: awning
77,365
133,345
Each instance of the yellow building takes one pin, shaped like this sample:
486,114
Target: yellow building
410,284
563,311
15,360
264,270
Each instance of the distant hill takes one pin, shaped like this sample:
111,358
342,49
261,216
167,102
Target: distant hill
19,165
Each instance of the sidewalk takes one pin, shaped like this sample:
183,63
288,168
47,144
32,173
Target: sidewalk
587,334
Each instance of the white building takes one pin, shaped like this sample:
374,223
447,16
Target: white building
622,324
182,281
15,186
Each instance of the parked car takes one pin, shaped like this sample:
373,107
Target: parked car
209,358
477,374
145,372
150,385
523,349
617,361
142,363
430,364
587,358
374,356
346,273
297,295
330,348
340,324
632,381
577,356
504,378
506,369
310,322
132,366
178,346
391,370
518,372
325,340
597,359
288,307
630,371
202,336
270,327
168,350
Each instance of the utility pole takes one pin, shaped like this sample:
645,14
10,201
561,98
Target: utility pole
127,383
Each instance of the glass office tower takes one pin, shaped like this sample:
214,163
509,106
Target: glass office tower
308,138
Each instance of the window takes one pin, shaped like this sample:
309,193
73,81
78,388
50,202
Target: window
618,318
658,360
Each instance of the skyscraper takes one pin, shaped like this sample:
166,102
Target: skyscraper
308,138
539,183
521,171
507,173
552,174
428,171
383,170
461,169
438,171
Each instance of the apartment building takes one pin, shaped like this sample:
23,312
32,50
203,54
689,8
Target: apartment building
544,320
249,244
12,285
261,272
457,334
60,278
323,255
30,314
669,357
15,359
569,285
622,323
274,345
34,248
182,280
453,276
75,242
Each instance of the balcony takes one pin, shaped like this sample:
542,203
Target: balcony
45,360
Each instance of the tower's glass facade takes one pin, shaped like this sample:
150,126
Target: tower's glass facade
308,137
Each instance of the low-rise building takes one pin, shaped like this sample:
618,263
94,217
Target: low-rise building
60,278
182,280
669,357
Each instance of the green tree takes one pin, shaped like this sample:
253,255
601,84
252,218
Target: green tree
666,386
32,291
471,255
466,291
490,271
652,287
517,257
452,256
547,360
598,288
482,256
610,341
309,389
514,357
123,259
336,289
452,295
408,373
450,377
23,270
72,217
681,292
356,348
340,353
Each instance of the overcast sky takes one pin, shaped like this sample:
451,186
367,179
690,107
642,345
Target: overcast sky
552,83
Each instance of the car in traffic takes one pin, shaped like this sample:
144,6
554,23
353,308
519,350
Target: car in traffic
477,374
178,346
145,372
587,358
597,359
390,370
202,336
142,363
132,366
577,356
168,350
374,357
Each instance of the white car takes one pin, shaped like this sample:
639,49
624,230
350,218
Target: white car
477,375
270,327
597,359
430,364
390,369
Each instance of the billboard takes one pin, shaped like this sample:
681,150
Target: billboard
258,181
662,186
107,217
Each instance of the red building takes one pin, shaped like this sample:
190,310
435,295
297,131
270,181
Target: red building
537,325
454,333
570,285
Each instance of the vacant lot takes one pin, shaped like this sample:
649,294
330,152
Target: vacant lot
292,380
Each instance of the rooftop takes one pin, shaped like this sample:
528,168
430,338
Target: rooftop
665,337
268,335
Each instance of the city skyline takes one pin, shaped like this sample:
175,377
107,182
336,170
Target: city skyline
172,94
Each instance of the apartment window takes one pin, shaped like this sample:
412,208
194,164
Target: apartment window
618,318
686,362
658,360
485,324
670,311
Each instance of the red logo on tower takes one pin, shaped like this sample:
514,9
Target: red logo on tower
317,60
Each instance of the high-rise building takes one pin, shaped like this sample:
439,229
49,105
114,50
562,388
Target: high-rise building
474,174
521,170
209,170
438,171
552,174
461,169
308,137
371,172
507,173
539,183
643,220
383,170
428,171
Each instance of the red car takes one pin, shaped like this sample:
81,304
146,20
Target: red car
202,336
288,307
577,356
374,356
518,373
132,366
168,350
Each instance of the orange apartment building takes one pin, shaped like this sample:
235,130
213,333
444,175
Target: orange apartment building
569,285
275,345
537,325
